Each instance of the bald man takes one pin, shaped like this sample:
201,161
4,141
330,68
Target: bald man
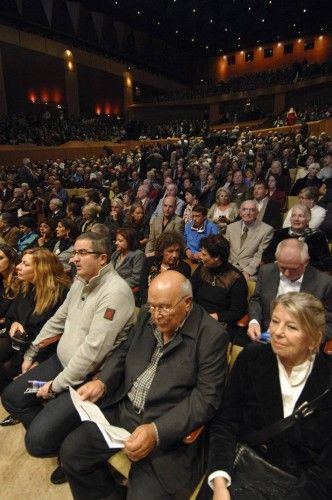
165,381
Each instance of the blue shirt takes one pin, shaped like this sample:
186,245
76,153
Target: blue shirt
193,236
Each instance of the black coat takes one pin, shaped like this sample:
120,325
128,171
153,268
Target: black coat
253,401
185,392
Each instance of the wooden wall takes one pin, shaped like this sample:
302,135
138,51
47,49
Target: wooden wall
219,69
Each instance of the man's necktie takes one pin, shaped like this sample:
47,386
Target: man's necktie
244,235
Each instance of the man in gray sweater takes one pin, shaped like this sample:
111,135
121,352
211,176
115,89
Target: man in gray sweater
93,320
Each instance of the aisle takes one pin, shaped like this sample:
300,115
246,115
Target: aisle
24,477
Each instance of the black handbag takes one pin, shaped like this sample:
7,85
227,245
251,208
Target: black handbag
253,477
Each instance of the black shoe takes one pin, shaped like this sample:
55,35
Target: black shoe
58,476
9,420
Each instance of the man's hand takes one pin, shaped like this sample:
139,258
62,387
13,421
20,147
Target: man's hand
254,331
16,326
141,442
214,316
220,492
44,392
246,275
92,391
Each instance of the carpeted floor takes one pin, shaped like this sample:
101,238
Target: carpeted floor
23,477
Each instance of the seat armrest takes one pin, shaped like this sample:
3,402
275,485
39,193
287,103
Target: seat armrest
191,438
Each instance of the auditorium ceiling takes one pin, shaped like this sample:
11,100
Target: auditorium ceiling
220,26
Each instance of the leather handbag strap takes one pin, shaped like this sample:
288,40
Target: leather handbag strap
303,411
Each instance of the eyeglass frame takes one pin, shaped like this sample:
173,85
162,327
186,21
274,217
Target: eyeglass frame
84,253
165,310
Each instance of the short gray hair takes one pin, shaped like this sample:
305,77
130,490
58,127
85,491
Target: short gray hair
306,211
302,248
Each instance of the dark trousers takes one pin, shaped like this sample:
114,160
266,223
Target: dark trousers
84,454
47,423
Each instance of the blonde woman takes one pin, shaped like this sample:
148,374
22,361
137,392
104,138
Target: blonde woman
44,286
223,211
268,383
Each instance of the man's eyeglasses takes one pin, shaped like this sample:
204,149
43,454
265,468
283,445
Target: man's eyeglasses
84,253
163,309
248,209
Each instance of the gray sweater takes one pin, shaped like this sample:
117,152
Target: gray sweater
93,320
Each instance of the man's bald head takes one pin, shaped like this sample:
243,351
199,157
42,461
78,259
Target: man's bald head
170,299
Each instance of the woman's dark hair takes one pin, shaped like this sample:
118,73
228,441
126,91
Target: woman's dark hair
28,222
130,236
168,239
217,246
71,227
48,222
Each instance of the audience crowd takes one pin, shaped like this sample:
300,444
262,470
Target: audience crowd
160,226
252,81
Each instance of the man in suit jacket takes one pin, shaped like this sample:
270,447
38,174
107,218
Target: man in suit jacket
248,238
167,222
268,210
291,272
163,382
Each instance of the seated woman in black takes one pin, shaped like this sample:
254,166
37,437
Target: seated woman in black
137,221
44,286
169,255
66,233
218,286
319,251
268,383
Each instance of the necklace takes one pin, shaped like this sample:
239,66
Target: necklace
164,267
214,280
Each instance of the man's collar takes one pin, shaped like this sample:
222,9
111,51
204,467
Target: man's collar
284,278
95,280
199,229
